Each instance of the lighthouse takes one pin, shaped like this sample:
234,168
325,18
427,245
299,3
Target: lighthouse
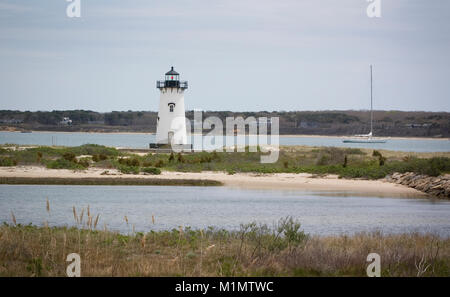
171,122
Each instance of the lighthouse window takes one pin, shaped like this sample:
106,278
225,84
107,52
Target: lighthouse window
171,106
172,77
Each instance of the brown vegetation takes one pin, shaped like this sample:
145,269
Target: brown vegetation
252,251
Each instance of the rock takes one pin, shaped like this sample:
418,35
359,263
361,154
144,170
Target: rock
396,175
436,186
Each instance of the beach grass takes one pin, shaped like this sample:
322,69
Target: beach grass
344,162
253,250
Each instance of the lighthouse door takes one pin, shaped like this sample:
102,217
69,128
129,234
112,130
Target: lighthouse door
170,137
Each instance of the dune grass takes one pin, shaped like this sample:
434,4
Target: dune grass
345,162
254,250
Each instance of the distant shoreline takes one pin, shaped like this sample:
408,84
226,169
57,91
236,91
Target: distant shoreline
82,132
281,136
349,136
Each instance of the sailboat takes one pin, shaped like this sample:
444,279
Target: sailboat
367,138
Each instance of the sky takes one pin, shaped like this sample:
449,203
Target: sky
238,55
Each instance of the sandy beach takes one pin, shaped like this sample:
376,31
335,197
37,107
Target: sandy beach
278,181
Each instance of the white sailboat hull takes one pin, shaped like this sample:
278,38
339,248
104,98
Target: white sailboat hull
364,141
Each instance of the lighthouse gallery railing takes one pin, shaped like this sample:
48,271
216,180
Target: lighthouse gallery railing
171,84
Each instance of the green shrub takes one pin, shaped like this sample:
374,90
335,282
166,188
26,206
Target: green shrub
84,162
69,156
151,170
93,149
216,157
6,161
381,159
286,234
433,167
206,159
231,171
39,157
99,157
369,172
376,154
133,162
44,150
128,169
35,266
63,164
291,231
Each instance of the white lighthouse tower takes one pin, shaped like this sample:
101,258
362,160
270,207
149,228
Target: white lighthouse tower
171,123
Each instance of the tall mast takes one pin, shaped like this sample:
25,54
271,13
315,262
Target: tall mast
371,100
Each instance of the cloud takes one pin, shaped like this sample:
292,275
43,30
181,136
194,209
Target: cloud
329,43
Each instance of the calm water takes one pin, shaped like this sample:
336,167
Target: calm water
200,207
143,140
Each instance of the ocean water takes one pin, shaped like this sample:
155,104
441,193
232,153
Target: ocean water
321,213
142,141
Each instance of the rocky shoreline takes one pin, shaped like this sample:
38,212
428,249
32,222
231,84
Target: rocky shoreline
435,186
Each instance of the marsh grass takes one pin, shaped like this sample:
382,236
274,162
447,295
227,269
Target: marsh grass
283,249
254,250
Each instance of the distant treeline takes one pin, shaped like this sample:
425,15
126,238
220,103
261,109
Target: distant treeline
386,123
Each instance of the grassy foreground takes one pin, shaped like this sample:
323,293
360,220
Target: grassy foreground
254,250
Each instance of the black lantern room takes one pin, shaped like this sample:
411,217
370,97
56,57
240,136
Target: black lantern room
172,80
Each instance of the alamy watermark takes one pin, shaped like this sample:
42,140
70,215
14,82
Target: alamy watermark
73,9
74,268
235,139
374,9
374,268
